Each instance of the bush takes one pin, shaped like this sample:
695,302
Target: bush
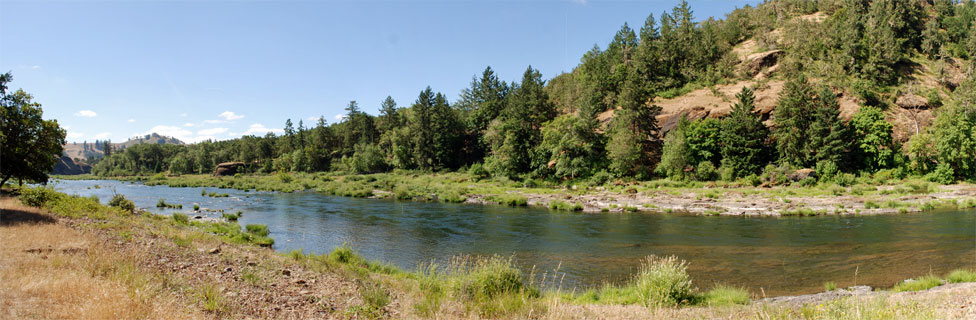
845,179
565,206
478,171
961,275
826,170
38,196
705,171
257,229
119,201
663,282
230,216
943,174
489,278
830,286
181,218
600,178
919,284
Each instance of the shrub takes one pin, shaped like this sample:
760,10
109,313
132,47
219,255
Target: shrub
919,284
565,206
830,286
257,229
961,275
230,216
478,171
119,201
725,295
488,278
826,170
600,178
845,179
705,171
181,218
663,282
38,196
943,174
196,207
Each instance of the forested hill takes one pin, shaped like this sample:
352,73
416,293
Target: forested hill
844,86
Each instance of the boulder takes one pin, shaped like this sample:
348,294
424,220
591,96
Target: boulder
802,174
912,101
756,62
228,169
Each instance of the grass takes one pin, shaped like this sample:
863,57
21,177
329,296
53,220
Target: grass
922,283
723,295
162,204
961,275
830,286
181,218
560,205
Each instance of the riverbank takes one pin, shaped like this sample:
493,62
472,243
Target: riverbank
63,259
867,195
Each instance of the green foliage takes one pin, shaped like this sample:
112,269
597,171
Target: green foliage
726,296
663,282
873,135
570,146
38,197
257,229
827,170
793,115
119,201
565,206
922,283
31,145
743,138
961,275
181,218
368,158
954,133
675,154
830,286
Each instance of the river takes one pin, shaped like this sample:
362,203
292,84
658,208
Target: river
771,256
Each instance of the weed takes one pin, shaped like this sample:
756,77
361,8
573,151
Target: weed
830,286
961,275
180,218
663,282
919,284
725,295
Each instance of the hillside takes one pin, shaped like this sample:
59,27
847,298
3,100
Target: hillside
85,150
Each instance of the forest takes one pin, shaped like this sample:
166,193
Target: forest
601,120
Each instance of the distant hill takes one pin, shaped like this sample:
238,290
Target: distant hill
94,150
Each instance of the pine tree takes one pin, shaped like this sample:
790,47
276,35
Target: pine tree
675,154
634,147
421,127
743,137
518,127
792,117
828,135
389,115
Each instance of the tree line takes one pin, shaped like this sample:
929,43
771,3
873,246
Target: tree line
552,130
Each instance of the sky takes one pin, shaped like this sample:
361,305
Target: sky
199,70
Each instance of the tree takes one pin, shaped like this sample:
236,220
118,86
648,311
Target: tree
743,137
634,147
484,100
517,129
389,115
792,117
828,137
107,148
422,129
932,38
31,145
570,146
675,154
954,132
873,135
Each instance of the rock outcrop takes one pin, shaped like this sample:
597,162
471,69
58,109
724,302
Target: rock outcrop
66,166
228,169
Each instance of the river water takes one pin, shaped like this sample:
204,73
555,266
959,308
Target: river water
774,256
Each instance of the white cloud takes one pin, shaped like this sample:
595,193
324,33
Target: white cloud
187,124
86,113
260,129
172,131
35,67
212,131
183,114
340,116
103,135
130,120
75,135
230,116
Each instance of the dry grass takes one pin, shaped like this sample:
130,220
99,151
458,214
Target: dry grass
51,271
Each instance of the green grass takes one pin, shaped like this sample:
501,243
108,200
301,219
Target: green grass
181,218
209,295
922,283
560,205
961,275
162,204
830,286
723,295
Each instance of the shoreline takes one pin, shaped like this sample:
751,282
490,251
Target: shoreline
658,196
187,272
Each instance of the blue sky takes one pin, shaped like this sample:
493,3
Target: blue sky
221,69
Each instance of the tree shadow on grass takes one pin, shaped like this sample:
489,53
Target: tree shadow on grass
12,217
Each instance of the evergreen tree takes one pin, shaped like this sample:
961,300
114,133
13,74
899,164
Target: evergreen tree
792,117
518,127
422,129
107,148
389,115
675,154
571,148
743,137
634,147
828,136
